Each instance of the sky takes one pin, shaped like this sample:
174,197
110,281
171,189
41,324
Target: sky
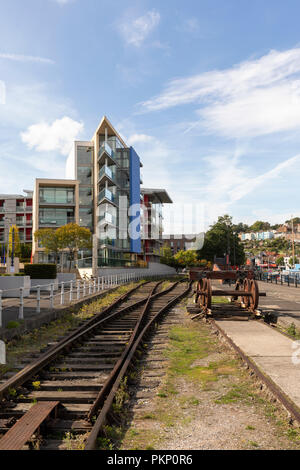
207,92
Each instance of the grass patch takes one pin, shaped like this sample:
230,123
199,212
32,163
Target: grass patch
220,300
236,394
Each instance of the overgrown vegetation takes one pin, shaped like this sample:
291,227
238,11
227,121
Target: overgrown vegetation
39,338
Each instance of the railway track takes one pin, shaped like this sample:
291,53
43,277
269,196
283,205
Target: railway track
70,389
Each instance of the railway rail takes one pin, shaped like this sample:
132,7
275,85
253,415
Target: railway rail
72,386
268,358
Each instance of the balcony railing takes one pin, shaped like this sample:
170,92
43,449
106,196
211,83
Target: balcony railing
56,221
106,194
108,218
20,221
106,171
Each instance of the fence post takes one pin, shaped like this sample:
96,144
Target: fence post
78,289
21,308
288,280
296,284
281,279
84,289
38,299
94,282
102,282
51,296
71,291
90,287
62,293
98,284
0,308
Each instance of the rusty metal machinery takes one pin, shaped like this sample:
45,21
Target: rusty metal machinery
245,291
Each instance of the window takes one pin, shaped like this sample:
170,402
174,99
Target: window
57,195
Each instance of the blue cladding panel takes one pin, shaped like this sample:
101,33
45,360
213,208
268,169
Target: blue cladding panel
135,191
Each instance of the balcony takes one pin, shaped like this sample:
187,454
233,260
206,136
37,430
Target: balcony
107,219
106,174
2,209
107,195
55,222
2,223
104,153
20,220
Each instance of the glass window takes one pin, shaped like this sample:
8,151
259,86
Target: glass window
85,217
84,174
57,195
84,155
85,196
57,217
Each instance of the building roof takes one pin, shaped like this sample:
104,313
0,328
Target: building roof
111,131
158,196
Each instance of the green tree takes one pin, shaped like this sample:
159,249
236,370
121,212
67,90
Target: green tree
240,228
48,239
25,251
260,226
73,238
219,239
280,261
14,241
293,261
186,258
167,257
295,220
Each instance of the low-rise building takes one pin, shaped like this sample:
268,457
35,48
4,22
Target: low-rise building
55,203
152,201
178,242
16,209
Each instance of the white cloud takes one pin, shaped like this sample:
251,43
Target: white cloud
58,136
26,58
135,31
140,138
256,97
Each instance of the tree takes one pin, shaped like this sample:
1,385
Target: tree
73,238
186,258
25,251
260,226
48,239
295,220
280,261
14,241
221,238
167,257
293,261
240,228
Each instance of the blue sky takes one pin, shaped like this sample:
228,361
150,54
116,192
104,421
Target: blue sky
208,92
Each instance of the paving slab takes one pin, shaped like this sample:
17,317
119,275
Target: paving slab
271,351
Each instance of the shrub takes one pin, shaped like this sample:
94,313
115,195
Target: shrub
40,271
12,324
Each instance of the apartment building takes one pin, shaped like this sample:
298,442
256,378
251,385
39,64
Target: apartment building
55,203
16,209
108,172
105,196
178,242
152,201
257,236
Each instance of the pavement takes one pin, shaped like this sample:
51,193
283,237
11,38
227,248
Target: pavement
283,301
275,354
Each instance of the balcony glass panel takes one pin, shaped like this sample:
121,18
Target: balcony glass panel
57,195
108,171
108,218
106,193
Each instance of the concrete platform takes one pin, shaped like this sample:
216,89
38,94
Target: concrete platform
271,351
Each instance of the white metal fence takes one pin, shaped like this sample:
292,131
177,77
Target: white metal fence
68,293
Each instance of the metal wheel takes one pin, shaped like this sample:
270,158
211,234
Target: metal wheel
246,300
255,295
